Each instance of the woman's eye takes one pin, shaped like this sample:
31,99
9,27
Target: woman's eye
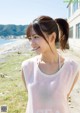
29,39
36,37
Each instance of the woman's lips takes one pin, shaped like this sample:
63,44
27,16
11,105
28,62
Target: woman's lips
34,49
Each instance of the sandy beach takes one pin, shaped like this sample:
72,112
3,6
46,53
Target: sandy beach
18,45
22,45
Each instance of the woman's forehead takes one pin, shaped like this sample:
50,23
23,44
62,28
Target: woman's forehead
32,31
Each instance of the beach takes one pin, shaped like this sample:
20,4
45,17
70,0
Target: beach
18,45
12,90
22,46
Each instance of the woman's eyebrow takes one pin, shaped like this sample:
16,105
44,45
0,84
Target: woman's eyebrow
34,35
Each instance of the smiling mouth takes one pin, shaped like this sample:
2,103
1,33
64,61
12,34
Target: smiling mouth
34,49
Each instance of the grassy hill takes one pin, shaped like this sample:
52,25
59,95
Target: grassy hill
12,91
16,30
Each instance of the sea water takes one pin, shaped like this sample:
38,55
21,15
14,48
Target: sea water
5,41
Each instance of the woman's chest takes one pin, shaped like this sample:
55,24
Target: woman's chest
47,90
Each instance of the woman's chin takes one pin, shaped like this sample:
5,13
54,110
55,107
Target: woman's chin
38,52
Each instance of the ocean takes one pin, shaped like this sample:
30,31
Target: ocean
5,41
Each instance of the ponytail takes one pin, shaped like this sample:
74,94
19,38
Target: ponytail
64,32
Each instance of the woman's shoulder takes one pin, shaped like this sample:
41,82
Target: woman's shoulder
29,61
72,63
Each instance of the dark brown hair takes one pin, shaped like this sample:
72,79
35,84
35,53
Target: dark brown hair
47,25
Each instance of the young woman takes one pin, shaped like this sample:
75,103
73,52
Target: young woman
48,77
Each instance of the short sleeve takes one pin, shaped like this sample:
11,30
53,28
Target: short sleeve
27,70
73,73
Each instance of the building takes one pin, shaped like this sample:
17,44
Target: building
74,24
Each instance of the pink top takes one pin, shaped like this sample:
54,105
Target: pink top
48,93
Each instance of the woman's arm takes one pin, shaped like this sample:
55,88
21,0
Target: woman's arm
23,79
76,78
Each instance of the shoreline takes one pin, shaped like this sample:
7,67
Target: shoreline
15,46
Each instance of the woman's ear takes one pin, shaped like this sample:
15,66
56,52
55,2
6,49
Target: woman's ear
52,37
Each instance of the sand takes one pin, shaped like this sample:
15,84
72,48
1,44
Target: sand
18,45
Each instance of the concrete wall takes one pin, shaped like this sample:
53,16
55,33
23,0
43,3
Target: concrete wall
75,45
73,20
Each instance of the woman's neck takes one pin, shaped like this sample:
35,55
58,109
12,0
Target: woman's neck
50,57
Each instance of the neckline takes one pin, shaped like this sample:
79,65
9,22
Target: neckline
50,75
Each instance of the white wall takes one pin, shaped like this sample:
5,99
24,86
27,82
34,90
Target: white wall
73,20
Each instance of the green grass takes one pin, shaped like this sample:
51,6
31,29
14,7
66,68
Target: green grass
12,90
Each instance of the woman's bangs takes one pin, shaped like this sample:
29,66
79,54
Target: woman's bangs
28,33
37,29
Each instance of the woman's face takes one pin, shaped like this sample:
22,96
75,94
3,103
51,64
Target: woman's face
38,43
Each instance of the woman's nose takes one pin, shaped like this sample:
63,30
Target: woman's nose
32,42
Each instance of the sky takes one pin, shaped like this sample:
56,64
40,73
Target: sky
22,12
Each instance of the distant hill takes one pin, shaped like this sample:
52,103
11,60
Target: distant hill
16,30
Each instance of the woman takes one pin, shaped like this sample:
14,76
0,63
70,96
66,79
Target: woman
48,77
